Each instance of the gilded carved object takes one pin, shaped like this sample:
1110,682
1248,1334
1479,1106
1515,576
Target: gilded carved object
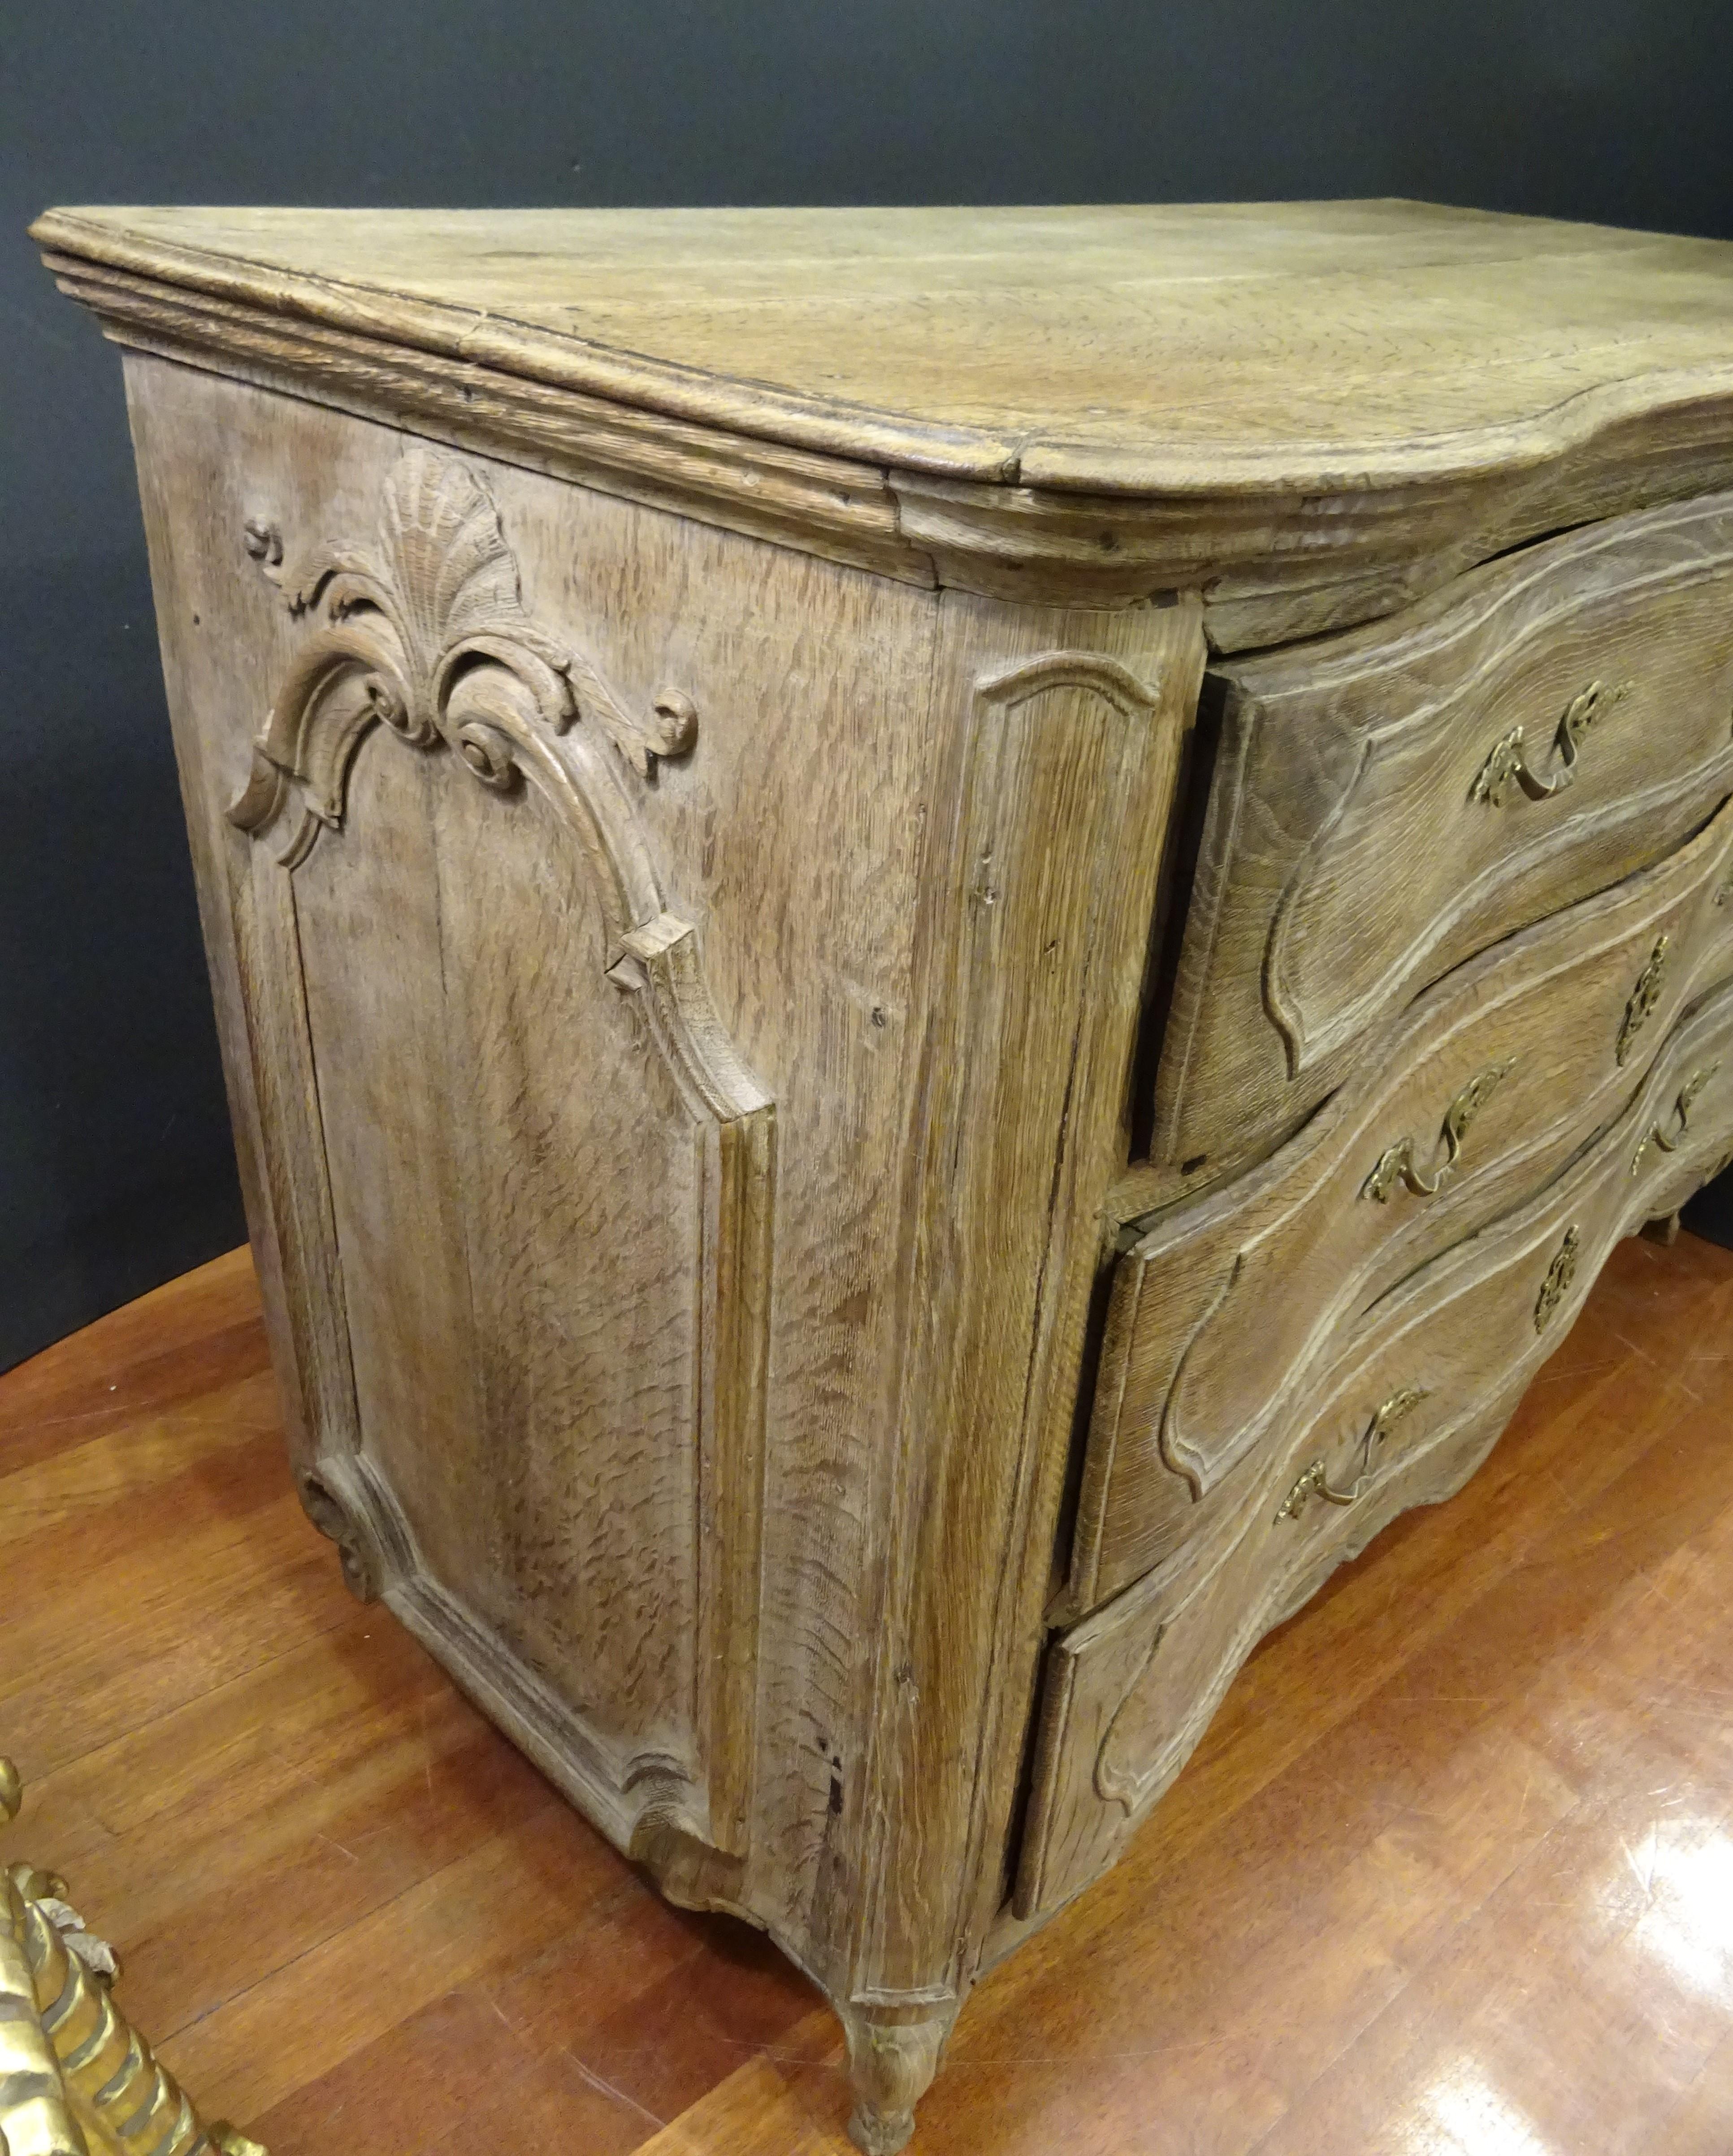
76,2078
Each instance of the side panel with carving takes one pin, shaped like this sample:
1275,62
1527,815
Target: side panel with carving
523,1206
553,1249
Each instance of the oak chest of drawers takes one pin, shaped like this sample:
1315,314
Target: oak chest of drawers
945,940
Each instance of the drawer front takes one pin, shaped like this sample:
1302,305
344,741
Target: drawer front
1387,804
1403,1419
1495,1080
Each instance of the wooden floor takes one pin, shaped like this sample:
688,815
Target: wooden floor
1451,1876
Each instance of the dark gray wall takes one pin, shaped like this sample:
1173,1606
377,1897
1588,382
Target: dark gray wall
115,1170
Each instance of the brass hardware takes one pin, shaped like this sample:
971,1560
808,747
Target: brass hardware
1509,758
1560,1273
1395,1164
1505,763
1644,997
1660,1136
1315,1480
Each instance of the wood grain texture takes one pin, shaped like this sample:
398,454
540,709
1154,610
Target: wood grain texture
500,1364
1483,378
247,916
1338,762
1405,1412
445,942
1519,1051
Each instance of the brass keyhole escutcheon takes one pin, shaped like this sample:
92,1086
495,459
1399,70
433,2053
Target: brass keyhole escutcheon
1644,998
1560,1273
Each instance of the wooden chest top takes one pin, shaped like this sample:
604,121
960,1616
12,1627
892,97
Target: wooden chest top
1124,349
1314,409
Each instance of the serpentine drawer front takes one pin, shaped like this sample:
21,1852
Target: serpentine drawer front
1388,803
840,850
1401,1416
1496,1079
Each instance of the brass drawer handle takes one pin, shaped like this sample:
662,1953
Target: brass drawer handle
1396,1163
1560,1273
1669,1141
1508,759
1644,997
1315,1480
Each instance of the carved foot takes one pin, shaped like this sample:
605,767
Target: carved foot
893,2055
1663,1231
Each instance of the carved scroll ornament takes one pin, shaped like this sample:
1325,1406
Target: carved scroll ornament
424,631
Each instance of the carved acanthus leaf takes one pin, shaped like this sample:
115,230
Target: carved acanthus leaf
422,630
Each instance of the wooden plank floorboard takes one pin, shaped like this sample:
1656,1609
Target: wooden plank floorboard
1452,1872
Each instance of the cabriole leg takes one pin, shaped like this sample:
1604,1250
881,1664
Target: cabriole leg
893,2055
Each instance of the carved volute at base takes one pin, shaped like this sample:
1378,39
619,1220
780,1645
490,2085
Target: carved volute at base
338,1524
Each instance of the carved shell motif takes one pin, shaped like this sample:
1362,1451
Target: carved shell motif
423,630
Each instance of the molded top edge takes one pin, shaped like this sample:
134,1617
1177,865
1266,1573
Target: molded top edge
1203,351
